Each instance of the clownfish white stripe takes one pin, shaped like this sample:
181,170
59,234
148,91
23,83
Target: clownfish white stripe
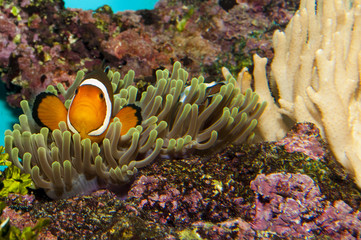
104,126
70,126
108,103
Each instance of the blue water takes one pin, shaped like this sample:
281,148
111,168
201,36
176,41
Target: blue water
116,5
9,116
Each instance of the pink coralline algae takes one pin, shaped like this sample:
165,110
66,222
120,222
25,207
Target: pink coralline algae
17,219
292,205
304,138
19,215
180,206
6,46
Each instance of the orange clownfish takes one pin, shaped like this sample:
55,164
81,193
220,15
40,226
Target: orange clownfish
90,111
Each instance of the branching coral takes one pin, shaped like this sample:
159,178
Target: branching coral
64,164
316,75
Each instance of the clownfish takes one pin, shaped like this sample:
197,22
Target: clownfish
212,88
90,110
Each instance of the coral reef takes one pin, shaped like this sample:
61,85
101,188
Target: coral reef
252,191
292,188
315,76
43,43
65,165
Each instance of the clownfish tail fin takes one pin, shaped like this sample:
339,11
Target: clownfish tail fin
48,110
138,112
130,116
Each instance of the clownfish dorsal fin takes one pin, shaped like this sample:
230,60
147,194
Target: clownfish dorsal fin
130,116
48,110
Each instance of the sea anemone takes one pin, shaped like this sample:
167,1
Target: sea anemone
176,120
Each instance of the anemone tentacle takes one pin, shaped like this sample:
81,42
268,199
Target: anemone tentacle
176,118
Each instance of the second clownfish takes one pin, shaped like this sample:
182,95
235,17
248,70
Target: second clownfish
90,111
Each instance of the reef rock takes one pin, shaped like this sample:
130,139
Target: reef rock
251,191
43,43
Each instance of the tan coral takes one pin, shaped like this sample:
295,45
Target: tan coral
316,72
65,165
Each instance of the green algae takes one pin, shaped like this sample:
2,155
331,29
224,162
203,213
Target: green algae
189,234
32,18
104,9
15,11
101,24
129,226
181,23
12,180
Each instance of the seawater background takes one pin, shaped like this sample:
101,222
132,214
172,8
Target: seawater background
116,5
8,115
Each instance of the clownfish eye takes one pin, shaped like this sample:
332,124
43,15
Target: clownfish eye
101,96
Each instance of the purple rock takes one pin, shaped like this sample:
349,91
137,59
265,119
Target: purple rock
292,205
305,138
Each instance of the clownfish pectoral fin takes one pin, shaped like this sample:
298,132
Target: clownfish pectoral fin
49,110
130,116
